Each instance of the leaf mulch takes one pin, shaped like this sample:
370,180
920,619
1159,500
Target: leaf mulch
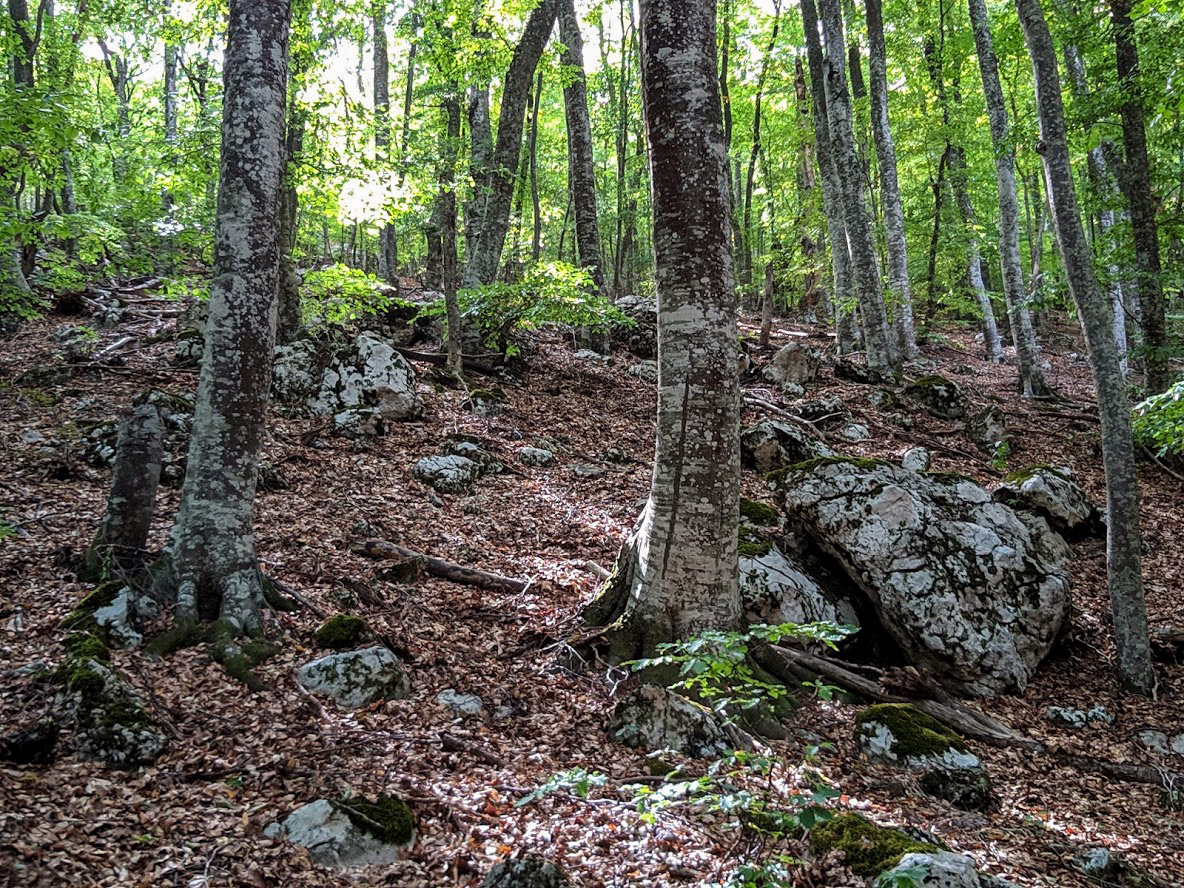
239,760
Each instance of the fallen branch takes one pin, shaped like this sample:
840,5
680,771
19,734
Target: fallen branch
452,743
593,568
438,567
469,362
791,665
1155,459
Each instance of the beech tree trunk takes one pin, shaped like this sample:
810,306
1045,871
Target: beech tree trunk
170,109
1123,538
480,164
1136,182
486,254
1023,335
832,196
449,272
677,573
536,235
581,163
881,353
900,291
388,254
14,288
214,570
750,180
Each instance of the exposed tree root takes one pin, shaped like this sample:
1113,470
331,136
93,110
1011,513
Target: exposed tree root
438,567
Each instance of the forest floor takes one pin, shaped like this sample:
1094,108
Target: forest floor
238,761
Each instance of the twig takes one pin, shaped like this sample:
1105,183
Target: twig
452,743
1155,459
458,573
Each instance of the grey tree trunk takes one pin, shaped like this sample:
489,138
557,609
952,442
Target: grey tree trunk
536,237
677,573
119,545
1023,335
447,203
832,197
1123,538
1136,182
900,291
581,163
214,568
388,256
170,110
746,253
992,347
486,254
480,164
14,288
877,341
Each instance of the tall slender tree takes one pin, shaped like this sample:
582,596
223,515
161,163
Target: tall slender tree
1124,539
214,571
898,254
388,252
1023,335
677,574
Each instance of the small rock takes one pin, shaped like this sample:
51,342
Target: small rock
34,667
791,391
1156,741
852,371
356,678
771,444
1066,716
448,474
464,704
592,357
526,872
881,399
942,869
939,396
535,456
988,430
796,363
827,409
116,618
855,432
32,436
653,718
334,839
916,459
1100,714
616,456
646,371
1098,863
586,471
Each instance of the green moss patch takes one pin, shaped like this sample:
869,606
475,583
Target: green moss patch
864,463
1019,476
82,618
388,819
869,849
752,544
758,513
342,632
917,734
86,645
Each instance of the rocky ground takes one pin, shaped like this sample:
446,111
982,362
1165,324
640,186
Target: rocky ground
238,761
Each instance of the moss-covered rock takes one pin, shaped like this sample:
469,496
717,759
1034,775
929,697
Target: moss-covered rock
111,721
939,396
869,849
387,819
342,632
753,544
761,514
913,733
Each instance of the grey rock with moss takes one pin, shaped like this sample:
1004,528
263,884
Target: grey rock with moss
855,432
938,396
972,591
916,459
333,839
535,456
653,718
117,620
794,363
461,704
449,473
771,444
526,872
776,589
1053,494
295,372
945,869
369,379
987,429
356,678
111,720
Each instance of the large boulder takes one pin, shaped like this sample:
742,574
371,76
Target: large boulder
939,396
653,718
641,338
295,372
348,833
1051,493
771,444
366,386
796,363
972,591
450,473
356,678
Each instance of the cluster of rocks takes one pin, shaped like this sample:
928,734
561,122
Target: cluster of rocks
459,467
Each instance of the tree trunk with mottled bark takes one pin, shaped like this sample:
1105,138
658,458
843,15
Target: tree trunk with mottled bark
677,573
449,272
865,272
214,571
388,254
486,254
1123,537
480,163
832,198
746,252
1136,182
900,291
1027,351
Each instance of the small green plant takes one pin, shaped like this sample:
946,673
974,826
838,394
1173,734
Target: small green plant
1002,452
1159,423
910,878
549,293
577,781
340,294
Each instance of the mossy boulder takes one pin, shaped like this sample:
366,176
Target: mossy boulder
1051,493
869,849
771,444
900,734
111,721
342,632
349,832
758,514
938,396
526,872
357,678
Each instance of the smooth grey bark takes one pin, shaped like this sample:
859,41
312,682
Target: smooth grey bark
14,288
388,255
1031,377
1136,183
581,163
120,74
992,347
900,290
288,313
878,343
486,254
1123,537
677,573
214,569
536,237
832,197
120,544
746,253
449,272
170,108
480,163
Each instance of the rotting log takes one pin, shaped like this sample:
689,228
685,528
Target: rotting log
467,361
470,576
